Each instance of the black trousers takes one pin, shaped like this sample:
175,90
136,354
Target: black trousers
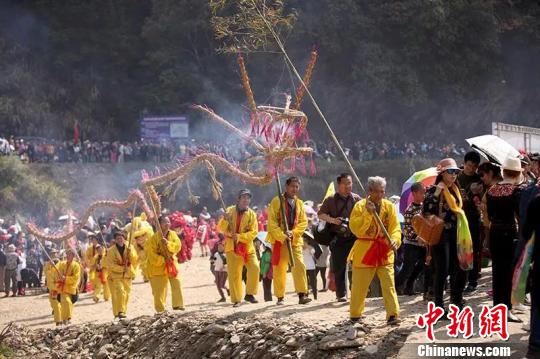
339,252
322,271
312,279
267,288
445,262
501,246
534,338
475,228
414,262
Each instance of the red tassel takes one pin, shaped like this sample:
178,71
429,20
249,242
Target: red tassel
303,165
276,253
293,164
241,250
171,268
312,169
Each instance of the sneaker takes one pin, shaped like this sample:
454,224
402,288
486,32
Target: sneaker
323,290
222,300
280,301
393,320
470,289
122,315
96,299
513,319
236,305
342,300
251,299
303,299
178,308
228,292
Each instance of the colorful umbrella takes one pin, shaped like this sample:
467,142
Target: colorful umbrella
426,177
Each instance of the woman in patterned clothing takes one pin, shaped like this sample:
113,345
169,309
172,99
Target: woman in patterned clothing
502,208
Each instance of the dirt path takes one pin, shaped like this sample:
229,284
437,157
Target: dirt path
201,296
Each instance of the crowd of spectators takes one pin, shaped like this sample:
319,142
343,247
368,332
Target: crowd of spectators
32,149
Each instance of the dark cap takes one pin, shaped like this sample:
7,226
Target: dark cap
243,192
535,156
120,233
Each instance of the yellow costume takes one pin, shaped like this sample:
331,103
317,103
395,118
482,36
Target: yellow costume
51,276
67,285
276,234
87,259
121,269
157,272
99,277
371,255
142,231
243,254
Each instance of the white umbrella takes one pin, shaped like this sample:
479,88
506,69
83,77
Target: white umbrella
66,217
494,148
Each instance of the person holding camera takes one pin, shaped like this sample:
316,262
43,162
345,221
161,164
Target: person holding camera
335,211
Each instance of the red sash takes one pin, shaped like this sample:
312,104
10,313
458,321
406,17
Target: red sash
240,249
377,254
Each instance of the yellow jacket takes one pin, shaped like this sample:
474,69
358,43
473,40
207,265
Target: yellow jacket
51,276
276,232
246,233
94,263
154,250
364,226
72,274
114,263
91,251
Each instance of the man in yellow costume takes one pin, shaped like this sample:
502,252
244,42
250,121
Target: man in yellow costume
277,236
51,277
67,284
371,253
99,275
142,231
88,257
162,266
120,262
240,228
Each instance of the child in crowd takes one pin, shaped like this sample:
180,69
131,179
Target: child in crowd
219,266
311,270
266,271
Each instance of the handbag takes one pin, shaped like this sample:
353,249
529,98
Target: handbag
323,235
429,228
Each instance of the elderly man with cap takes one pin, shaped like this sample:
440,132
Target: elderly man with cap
120,262
51,277
240,228
67,283
162,266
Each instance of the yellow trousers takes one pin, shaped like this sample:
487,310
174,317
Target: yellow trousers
101,288
120,289
361,279
159,291
57,313
298,272
66,307
235,266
